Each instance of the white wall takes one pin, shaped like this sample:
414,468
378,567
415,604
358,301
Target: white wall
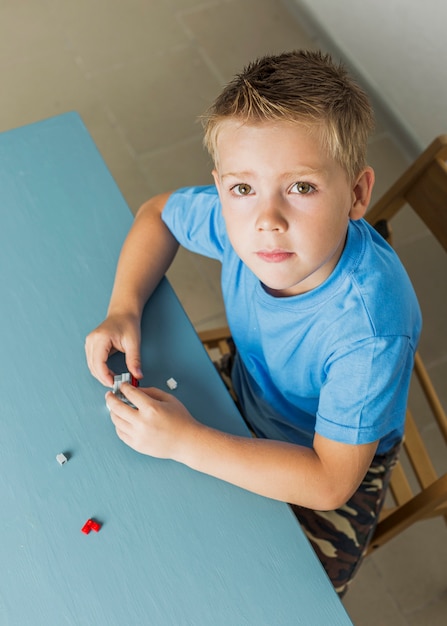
399,48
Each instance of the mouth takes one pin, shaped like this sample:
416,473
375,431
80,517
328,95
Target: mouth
274,256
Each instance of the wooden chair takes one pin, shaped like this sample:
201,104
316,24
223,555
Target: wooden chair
418,492
423,189
216,340
217,343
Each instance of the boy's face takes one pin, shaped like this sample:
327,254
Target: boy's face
285,202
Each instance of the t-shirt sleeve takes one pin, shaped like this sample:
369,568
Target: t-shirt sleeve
194,217
364,394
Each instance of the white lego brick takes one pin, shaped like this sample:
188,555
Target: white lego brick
172,383
118,380
61,458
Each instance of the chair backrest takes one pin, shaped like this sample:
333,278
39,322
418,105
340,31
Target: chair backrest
417,489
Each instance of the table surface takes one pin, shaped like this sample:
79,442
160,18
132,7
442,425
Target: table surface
176,546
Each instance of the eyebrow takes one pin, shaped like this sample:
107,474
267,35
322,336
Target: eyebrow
237,174
296,174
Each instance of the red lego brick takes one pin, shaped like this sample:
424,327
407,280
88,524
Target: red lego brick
133,381
89,525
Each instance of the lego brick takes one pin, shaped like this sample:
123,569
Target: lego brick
172,383
86,528
89,525
119,379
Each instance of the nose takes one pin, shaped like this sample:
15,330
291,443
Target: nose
271,218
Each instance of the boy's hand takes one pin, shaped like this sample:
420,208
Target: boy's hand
160,426
116,333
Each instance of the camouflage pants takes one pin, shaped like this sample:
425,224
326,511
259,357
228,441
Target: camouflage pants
340,537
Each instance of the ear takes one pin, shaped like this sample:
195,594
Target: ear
361,193
215,174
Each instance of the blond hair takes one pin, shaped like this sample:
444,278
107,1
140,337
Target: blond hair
303,87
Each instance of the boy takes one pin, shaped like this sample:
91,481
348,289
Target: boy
323,315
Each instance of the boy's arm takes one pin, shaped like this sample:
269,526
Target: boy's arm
322,478
147,253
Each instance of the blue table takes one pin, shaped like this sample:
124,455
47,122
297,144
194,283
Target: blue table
176,547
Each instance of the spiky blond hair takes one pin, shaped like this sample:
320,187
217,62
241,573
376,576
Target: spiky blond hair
303,87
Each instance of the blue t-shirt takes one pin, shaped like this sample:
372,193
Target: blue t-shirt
336,360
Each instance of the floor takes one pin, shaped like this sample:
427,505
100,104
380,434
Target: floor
140,73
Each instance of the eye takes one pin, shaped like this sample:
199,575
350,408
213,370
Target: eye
302,188
242,189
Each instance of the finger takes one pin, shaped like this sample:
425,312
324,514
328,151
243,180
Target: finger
97,362
135,395
156,394
100,357
120,424
125,438
133,361
138,395
119,408
105,375
123,432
